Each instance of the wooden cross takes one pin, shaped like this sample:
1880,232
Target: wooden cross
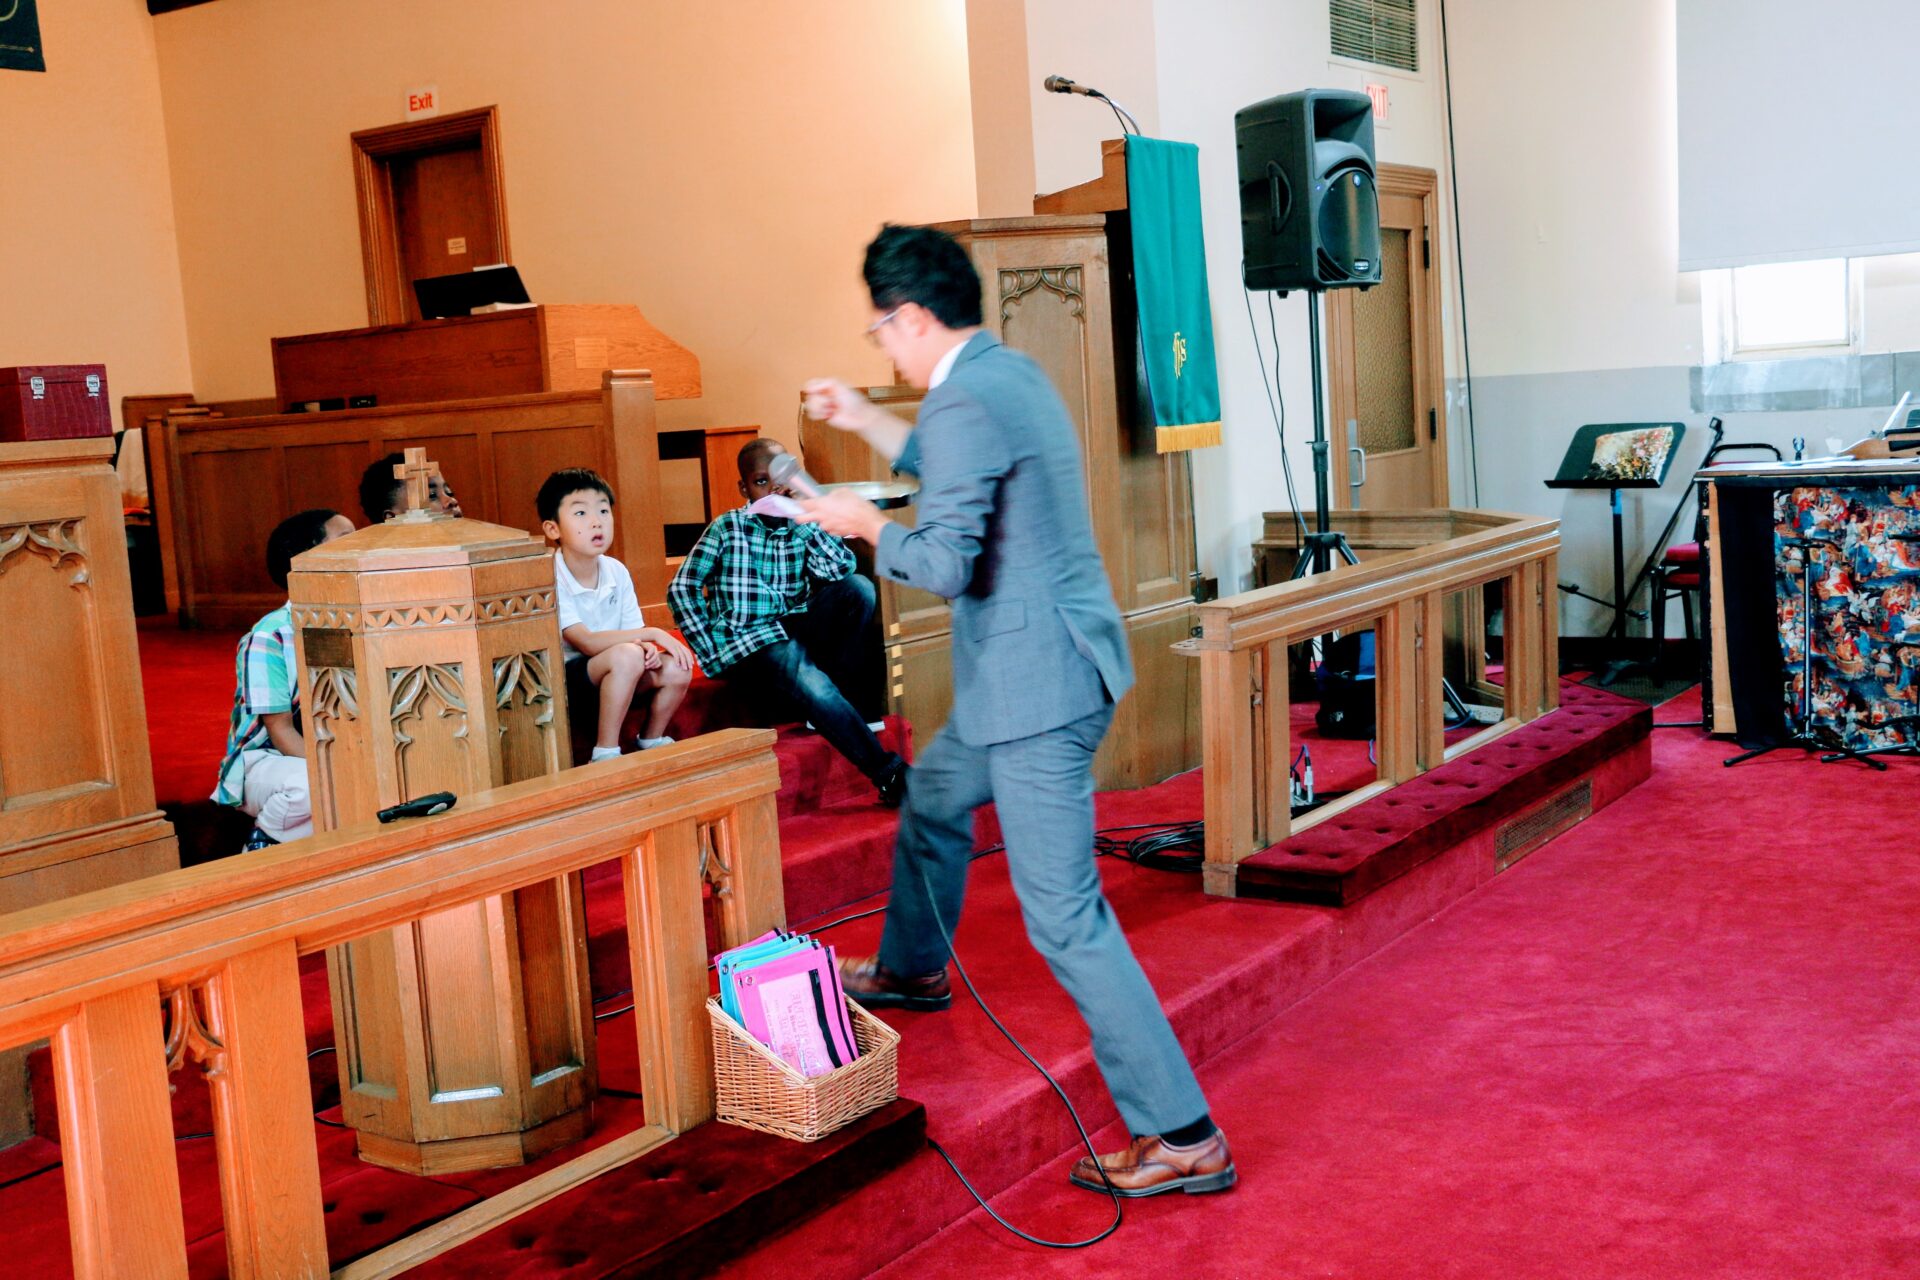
418,474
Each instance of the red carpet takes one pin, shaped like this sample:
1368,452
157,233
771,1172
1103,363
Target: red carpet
1535,1079
1678,1041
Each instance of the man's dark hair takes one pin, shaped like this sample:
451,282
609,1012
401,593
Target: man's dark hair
754,454
379,488
565,481
920,264
293,535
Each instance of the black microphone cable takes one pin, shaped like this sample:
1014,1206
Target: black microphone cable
926,885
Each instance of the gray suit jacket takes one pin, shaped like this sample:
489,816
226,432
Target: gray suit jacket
1003,532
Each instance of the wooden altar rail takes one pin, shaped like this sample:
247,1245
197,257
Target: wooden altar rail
218,947
1243,672
220,485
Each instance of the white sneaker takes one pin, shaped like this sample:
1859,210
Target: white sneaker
643,744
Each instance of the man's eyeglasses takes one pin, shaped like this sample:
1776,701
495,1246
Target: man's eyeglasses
873,330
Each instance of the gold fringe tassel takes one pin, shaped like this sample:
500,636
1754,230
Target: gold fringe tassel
1188,435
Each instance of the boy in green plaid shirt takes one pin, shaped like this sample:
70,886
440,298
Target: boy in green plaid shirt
775,606
264,771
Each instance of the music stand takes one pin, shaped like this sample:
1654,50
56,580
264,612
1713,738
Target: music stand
1615,456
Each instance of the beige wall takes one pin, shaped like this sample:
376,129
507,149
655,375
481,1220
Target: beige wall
88,273
723,175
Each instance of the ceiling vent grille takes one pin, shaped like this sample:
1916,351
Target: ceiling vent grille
1382,32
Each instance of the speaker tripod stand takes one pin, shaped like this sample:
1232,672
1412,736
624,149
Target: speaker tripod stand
1803,735
1318,548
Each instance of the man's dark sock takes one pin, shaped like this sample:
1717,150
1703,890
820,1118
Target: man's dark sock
1189,1134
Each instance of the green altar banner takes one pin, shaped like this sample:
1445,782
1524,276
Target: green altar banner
1170,282
20,37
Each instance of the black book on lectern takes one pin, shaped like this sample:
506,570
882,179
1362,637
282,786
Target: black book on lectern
458,294
1619,455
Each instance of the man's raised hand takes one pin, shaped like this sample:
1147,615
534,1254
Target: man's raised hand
833,402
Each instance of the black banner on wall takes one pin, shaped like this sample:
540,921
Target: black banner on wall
20,37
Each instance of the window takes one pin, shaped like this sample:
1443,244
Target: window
1777,310
1383,32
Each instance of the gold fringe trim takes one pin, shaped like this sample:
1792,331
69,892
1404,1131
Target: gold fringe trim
1188,435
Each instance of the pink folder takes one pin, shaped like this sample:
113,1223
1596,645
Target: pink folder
794,1006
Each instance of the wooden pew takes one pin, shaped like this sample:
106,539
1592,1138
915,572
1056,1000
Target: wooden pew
220,484
1402,595
130,981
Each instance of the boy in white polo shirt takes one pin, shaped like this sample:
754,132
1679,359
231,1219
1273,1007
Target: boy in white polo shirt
600,623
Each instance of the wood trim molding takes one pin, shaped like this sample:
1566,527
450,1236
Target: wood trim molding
373,152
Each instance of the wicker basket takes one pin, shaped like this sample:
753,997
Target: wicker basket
755,1089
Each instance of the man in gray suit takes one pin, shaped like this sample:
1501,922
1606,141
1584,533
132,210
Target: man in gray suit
1039,660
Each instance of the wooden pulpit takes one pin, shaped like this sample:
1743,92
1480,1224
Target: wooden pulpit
1059,287
430,661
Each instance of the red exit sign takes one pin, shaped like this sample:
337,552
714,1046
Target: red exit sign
1378,92
424,101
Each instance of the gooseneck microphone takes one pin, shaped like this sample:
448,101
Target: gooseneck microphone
1060,84
785,470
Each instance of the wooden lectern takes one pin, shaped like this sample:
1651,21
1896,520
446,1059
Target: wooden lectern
1059,287
430,660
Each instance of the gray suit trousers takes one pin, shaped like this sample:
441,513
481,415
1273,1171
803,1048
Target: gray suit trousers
1043,787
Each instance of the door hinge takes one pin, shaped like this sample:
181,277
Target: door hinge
1433,424
1426,252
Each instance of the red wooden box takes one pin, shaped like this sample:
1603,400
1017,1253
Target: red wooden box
54,402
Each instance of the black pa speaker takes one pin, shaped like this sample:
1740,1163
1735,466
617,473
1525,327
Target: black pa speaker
1309,210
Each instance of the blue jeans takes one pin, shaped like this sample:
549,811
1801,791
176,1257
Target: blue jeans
813,665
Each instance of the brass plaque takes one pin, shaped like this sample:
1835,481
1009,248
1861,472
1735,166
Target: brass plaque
327,647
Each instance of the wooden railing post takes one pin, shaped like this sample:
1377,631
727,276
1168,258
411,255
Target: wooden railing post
116,1138
1400,697
743,863
1274,747
1521,642
1546,578
1430,749
667,940
263,1118
1226,692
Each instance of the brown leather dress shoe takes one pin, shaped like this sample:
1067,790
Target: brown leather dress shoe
874,985
1149,1166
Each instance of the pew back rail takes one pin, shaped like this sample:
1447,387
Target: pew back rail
220,485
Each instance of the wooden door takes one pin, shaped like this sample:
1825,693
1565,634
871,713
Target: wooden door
443,216
1385,401
432,203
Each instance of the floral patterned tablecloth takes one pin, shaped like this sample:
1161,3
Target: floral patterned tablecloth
1866,610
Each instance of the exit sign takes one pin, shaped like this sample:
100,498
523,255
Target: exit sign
1378,92
424,101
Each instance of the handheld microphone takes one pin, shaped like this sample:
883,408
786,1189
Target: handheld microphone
785,470
422,807
1060,84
